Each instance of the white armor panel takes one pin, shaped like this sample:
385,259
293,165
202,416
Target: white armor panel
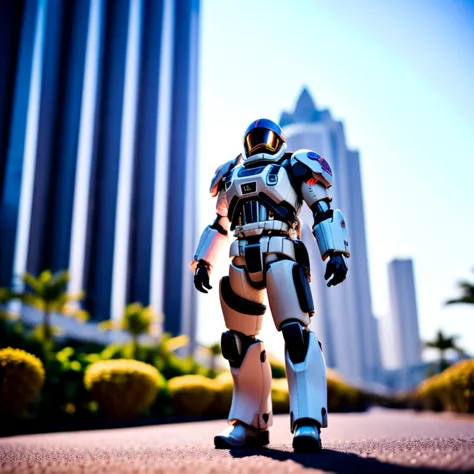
331,234
307,385
268,244
210,247
282,295
312,193
247,186
257,228
316,163
251,399
221,172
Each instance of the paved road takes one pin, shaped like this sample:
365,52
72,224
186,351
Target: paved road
380,441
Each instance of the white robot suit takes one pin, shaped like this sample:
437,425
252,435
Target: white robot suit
259,196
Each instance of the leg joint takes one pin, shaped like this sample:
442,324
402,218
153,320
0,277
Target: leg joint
296,340
234,347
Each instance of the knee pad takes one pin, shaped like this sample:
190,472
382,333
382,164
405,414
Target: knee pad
296,340
234,346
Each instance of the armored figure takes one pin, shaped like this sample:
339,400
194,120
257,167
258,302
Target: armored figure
259,196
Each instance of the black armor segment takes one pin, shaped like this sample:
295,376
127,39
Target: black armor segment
283,212
301,172
302,289
243,172
230,347
215,225
296,341
321,215
302,257
237,303
252,258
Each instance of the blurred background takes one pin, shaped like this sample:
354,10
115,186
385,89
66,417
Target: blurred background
115,115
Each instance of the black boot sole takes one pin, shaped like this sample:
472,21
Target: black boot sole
262,439
307,444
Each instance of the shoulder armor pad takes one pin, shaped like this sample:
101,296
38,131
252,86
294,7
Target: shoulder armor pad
316,163
221,173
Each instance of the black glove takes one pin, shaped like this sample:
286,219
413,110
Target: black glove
337,267
201,277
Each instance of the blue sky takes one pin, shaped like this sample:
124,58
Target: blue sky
400,76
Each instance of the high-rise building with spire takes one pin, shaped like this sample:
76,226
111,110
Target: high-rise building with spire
343,319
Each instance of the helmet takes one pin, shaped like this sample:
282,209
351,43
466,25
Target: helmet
263,140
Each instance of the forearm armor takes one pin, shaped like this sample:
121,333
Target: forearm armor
330,230
214,239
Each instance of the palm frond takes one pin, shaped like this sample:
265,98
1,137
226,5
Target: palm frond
32,282
7,295
176,342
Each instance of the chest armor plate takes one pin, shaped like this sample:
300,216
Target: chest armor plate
261,193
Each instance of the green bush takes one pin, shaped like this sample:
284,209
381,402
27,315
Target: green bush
64,396
280,396
122,388
192,394
21,379
452,389
343,397
278,368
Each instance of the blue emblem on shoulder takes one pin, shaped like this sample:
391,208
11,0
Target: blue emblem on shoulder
313,155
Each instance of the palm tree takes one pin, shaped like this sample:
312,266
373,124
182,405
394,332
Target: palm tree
443,343
48,293
136,320
467,293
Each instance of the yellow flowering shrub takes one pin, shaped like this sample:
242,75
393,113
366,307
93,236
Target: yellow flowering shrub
452,389
21,379
122,388
280,396
192,394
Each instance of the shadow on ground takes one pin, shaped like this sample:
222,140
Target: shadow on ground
336,461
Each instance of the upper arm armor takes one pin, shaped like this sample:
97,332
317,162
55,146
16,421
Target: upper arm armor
315,192
221,173
318,166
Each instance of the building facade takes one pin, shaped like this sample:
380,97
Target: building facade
402,348
343,317
98,142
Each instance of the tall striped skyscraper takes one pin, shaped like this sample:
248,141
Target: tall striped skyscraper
402,348
98,142
343,318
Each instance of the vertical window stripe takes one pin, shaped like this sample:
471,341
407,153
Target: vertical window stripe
162,159
85,147
31,143
127,146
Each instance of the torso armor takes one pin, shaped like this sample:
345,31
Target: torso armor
262,199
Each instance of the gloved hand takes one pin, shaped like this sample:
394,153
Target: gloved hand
201,277
337,267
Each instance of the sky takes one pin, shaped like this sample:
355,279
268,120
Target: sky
400,76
